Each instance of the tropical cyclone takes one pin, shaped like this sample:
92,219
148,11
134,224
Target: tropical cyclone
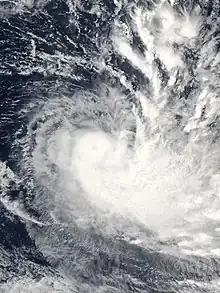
111,146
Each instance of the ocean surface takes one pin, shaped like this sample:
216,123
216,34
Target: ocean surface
109,146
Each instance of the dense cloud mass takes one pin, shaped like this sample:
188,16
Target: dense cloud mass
109,146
